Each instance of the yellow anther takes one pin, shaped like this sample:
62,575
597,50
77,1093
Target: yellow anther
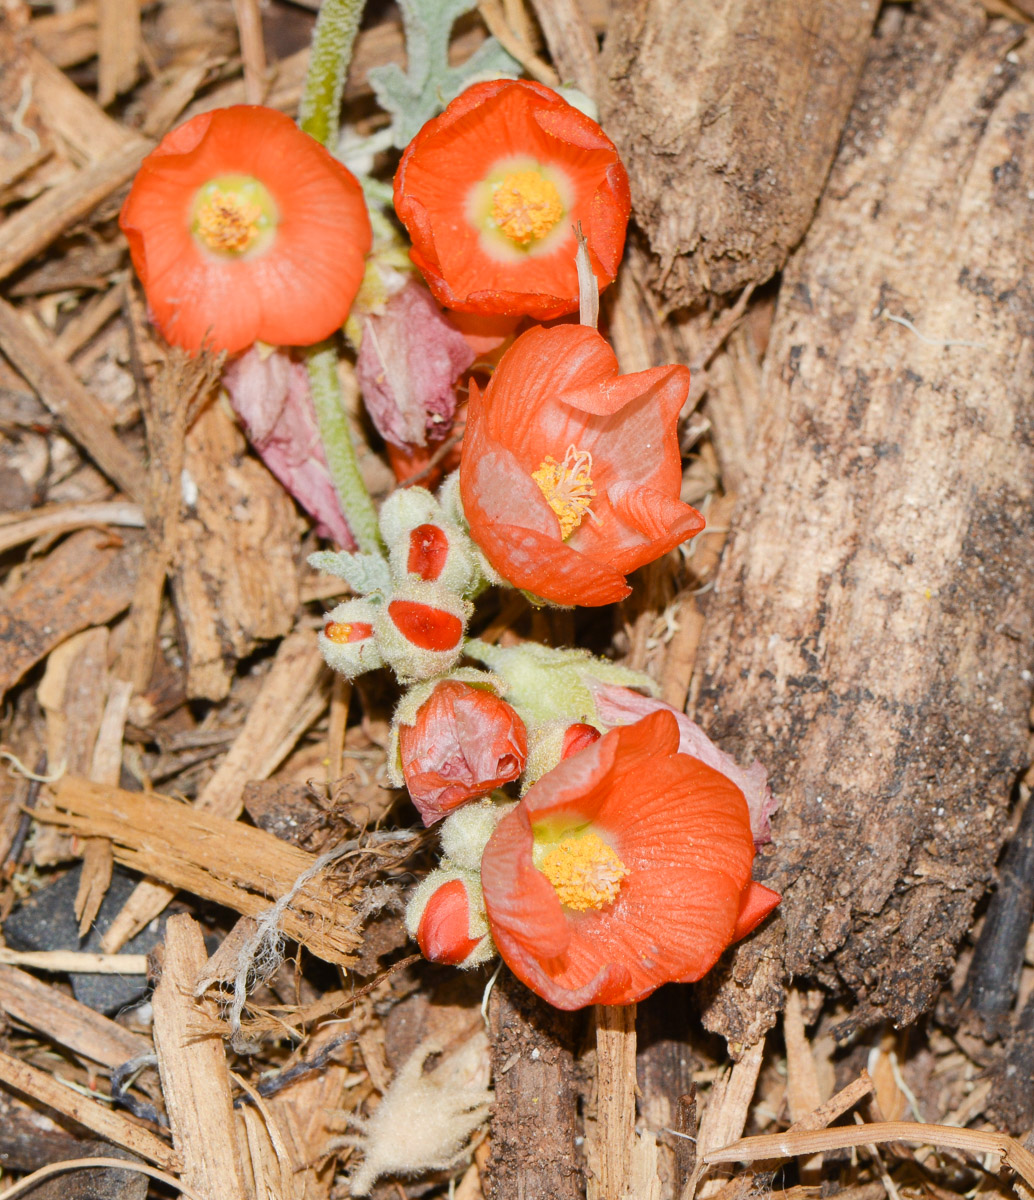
227,223
526,206
568,488
585,872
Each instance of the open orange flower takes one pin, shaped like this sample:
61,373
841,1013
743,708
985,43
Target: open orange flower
491,192
570,474
625,867
243,228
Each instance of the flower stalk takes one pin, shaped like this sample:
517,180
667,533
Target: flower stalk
321,363
332,42
319,116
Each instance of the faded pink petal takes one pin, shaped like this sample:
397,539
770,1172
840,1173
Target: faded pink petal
410,357
617,705
270,394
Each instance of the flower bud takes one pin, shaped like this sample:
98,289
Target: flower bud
423,542
577,737
420,630
446,916
550,742
348,640
463,742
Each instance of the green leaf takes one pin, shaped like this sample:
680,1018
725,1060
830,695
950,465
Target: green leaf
414,97
364,573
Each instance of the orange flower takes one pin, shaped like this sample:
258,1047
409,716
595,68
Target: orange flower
570,474
491,192
626,867
243,228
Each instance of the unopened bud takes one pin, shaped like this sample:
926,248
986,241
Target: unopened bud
420,630
348,642
577,737
446,916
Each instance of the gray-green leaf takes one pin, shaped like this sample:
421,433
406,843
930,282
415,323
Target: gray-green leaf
413,97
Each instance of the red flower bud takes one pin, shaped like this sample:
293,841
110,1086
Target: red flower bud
426,627
577,737
344,632
465,742
444,930
428,550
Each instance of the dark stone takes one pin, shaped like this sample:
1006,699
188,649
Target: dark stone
46,921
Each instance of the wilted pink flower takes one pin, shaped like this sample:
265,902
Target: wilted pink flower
621,706
410,357
465,742
270,394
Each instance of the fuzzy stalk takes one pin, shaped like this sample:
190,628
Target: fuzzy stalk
319,115
325,386
332,41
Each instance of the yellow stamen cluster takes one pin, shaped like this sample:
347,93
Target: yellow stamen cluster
567,487
526,206
585,872
227,223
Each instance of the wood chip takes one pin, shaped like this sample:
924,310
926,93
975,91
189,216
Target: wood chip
118,47
58,386
220,860
121,1130
32,228
195,1077
65,1021
726,1115
81,123
290,700
615,1139
86,581
18,528
235,581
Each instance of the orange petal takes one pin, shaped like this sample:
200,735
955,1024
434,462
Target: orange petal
756,903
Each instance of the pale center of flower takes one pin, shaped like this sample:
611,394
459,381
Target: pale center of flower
526,206
233,215
585,872
567,487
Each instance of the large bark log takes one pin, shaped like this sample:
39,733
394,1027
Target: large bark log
870,637
727,115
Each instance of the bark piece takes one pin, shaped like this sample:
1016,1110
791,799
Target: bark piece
86,581
870,635
727,117
235,580
195,1077
225,861
533,1119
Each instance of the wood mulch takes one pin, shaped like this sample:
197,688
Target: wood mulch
834,230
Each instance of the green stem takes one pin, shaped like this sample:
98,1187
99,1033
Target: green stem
320,109
318,115
321,363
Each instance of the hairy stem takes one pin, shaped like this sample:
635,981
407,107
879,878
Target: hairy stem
332,43
318,115
321,363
